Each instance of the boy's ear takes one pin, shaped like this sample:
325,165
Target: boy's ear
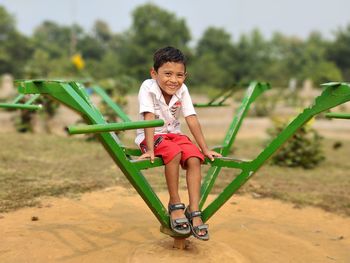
153,73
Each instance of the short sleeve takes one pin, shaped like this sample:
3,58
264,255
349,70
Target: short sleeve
145,98
187,105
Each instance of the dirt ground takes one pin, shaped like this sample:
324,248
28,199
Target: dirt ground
114,225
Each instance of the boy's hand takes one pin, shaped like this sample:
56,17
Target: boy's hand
211,154
147,155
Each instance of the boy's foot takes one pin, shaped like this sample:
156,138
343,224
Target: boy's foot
199,230
178,221
197,221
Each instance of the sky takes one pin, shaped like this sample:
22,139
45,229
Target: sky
290,17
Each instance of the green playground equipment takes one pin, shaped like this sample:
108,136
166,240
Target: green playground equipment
23,106
217,101
73,95
115,107
337,115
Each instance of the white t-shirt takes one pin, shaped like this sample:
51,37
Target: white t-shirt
152,100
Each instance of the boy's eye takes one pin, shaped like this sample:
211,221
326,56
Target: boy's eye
181,75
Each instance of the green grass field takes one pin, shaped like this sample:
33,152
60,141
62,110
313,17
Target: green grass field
35,166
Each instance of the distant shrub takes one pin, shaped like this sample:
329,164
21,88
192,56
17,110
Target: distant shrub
25,122
304,149
265,105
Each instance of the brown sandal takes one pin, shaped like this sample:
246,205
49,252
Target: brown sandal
196,229
180,225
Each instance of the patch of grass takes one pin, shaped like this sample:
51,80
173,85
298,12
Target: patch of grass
327,186
34,166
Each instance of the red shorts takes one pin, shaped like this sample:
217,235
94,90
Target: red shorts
170,144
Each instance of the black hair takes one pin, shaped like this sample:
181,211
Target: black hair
168,54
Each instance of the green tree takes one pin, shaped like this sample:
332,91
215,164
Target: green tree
102,32
91,48
15,49
214,50
95,45
252,59
152,28
206,72
108,67
38,65
300,59
339,51
316,66
287,59
56,40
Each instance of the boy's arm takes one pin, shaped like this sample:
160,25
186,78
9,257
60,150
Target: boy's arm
149,137
196,130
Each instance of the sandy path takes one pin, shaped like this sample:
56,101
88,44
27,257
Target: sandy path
114,225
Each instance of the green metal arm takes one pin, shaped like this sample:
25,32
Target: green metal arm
18,98
20,106
145,163
206,105
218,101
121,114
338,115
333,95
254,90
218,161
23,106
132,151
228,162
109,127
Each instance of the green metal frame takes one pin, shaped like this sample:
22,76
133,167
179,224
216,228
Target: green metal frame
337,115
73,95
217,101
119,111
22,106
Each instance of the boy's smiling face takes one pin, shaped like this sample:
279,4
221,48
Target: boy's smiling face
170,77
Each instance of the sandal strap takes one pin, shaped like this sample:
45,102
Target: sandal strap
201,227
178,206
180,221
194,214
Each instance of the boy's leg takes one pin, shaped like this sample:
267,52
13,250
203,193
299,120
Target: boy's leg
193,178
172,179
171,155
191,160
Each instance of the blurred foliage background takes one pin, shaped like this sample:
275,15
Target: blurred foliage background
217,60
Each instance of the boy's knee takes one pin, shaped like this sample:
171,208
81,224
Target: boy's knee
193,162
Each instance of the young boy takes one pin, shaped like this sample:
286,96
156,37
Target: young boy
164,97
